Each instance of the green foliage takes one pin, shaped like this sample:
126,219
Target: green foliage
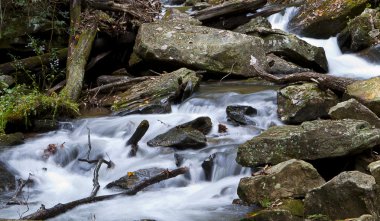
22,104
265,203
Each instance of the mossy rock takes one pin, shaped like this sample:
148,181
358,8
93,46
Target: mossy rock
11,139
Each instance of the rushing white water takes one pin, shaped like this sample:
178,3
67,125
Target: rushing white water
61,178
344,65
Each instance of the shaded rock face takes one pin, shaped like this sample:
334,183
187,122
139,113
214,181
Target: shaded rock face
292,49
352,109
309,141
374,168
299,103
361,32
272,215
278,65
322,19
252,25
156,94
366,92
131,180
289,179
350,194
187,135
238,114
198,47
11,139
7,180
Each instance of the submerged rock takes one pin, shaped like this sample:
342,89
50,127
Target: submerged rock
289,179
309,141
238,114
7,180
350,194
322,19
198,47
352,109
305,102
366,92
155,95
361,32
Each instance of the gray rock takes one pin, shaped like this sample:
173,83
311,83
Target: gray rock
198,47
272,215
237,114
289,179
7,180
203,124
366,92
361,32
322,19
374,169
299,103
252,25
278,65
350,194
352,109
309,141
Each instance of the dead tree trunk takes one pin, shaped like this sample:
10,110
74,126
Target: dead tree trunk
58,209
136,137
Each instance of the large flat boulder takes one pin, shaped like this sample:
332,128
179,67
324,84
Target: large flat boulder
197,47
322,19
304,102
309,141
289,179
367,92
348,195
156,94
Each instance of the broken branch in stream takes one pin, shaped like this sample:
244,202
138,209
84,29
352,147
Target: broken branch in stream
136,137
60,208
15,200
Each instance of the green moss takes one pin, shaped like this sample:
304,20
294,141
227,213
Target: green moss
295,207
22,104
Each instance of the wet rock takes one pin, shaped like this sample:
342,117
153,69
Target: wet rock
292,49
7,180
237,114
371,54
352,109
322,19
350,194
188,135
208,165
361,32
309,141
278,65
154,95
252,25
11,139
289,179
272,215
305,102
198,47
44,125
366,92
134,178
374,168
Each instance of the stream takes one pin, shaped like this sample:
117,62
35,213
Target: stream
61,178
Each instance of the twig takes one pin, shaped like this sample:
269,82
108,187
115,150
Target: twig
15,199
232,68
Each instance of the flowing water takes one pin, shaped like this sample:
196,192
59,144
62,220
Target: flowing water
61,178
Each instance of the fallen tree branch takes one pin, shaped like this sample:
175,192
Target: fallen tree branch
136,137
117,86
15,200
325,81
58,209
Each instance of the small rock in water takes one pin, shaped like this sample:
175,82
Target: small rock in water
238,114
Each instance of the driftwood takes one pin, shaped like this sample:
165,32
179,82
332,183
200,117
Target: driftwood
58,209
136,137
117,86
31,62
325,81
229,8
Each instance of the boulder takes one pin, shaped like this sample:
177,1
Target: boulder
176,15
366,92
156,94
349,194
292,49
352,109
361,32
304,102
237,114
374,169
322,19
187,135
312,140
198,47
11,139
272,215
289,179
280,66
6,81
252,25
134,178
371,54
7,180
